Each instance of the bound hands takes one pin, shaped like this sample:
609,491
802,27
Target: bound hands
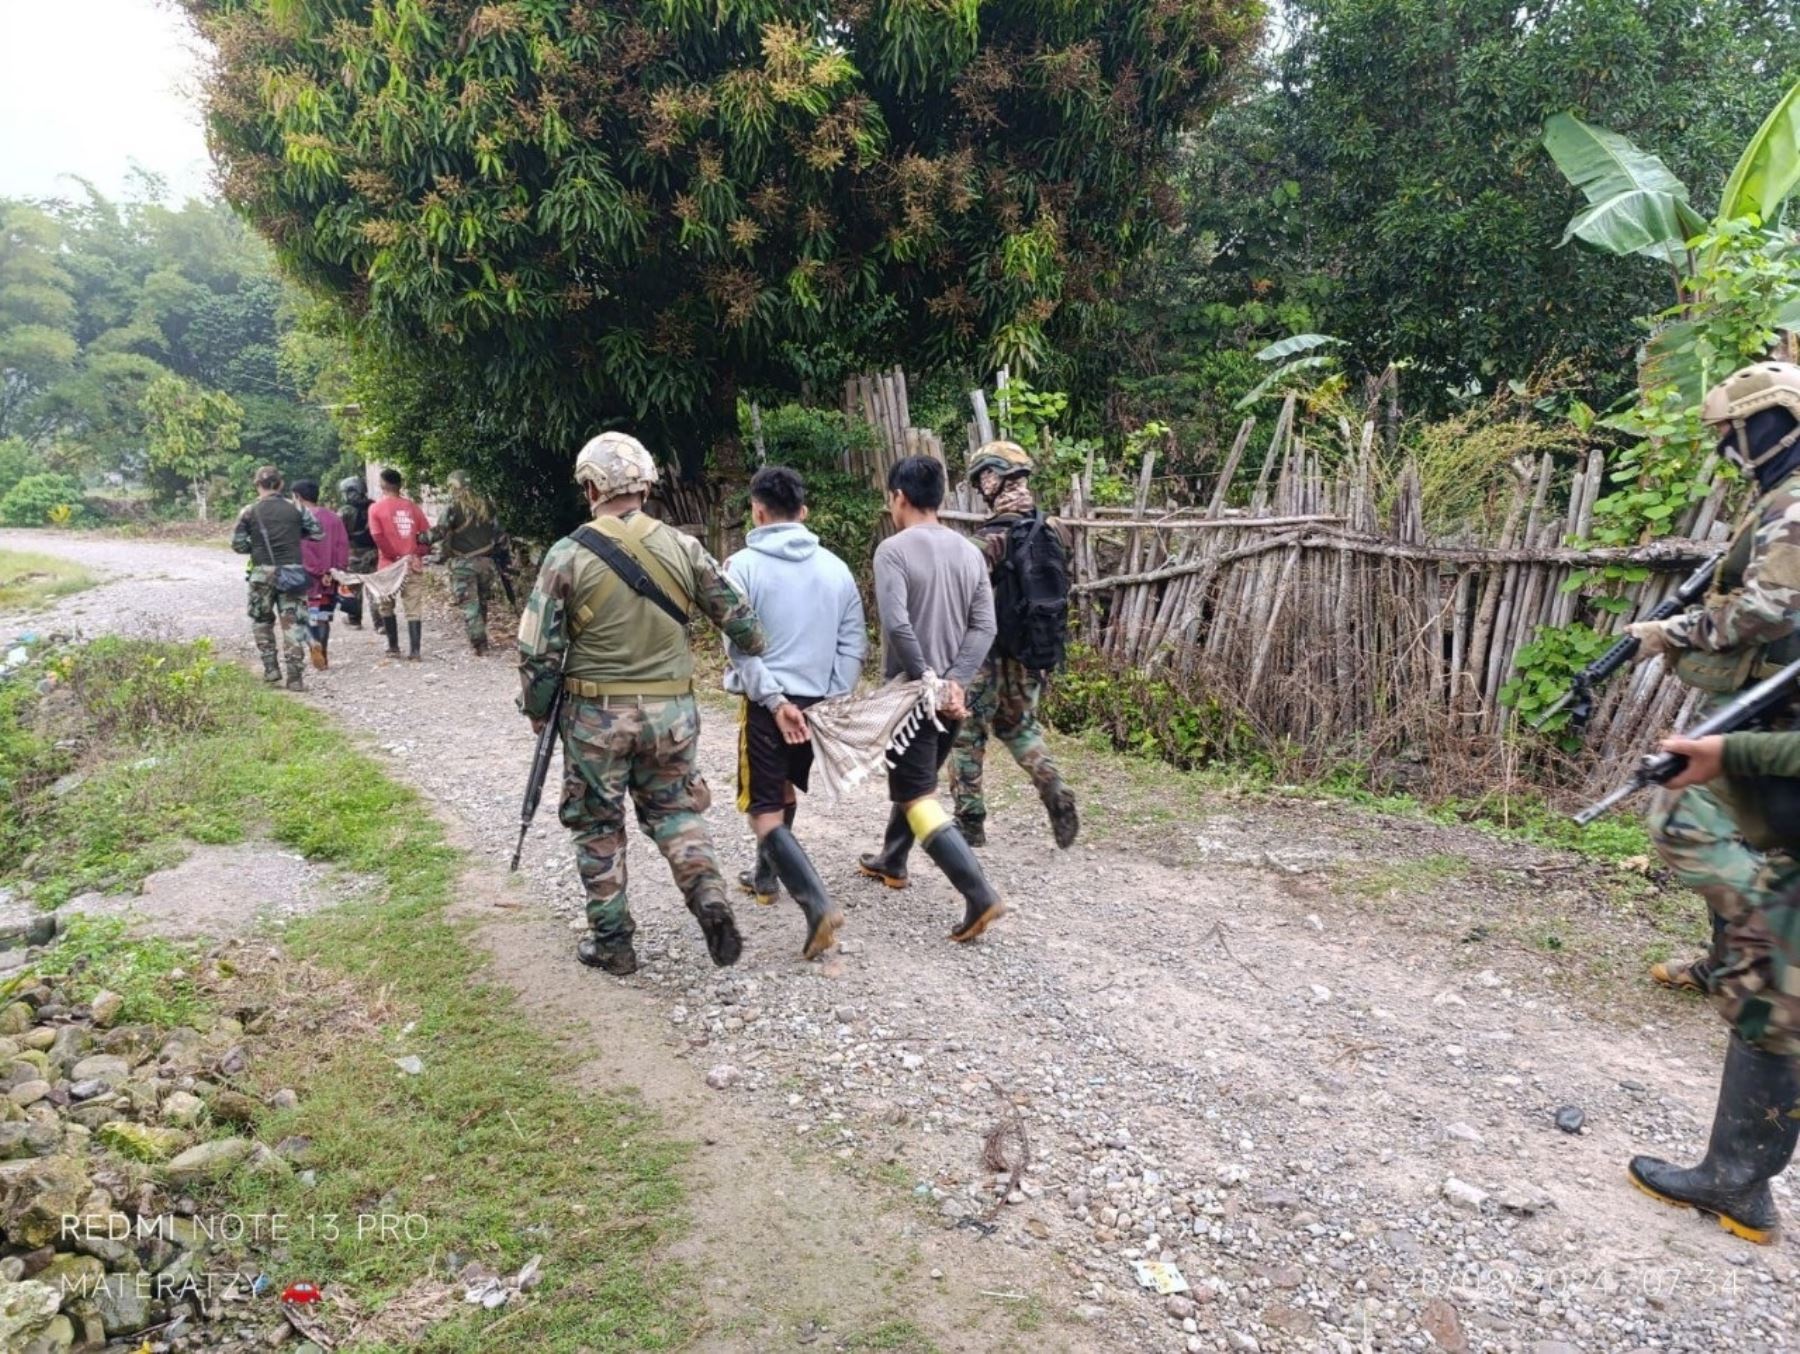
791,720
1706,759
952,699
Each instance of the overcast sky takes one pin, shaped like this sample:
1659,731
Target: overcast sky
89,87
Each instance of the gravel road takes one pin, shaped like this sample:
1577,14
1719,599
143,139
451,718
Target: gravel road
1334,1115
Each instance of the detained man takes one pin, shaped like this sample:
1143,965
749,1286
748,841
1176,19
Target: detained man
812,620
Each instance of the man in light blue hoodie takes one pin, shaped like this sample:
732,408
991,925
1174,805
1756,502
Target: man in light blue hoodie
812,616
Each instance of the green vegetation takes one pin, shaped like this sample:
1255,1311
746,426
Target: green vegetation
43,499
100,300
99,957
539,217
487,1151
30,580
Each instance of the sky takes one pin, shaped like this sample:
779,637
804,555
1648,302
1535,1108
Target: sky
91,87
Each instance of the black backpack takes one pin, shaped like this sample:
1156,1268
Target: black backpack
1031,596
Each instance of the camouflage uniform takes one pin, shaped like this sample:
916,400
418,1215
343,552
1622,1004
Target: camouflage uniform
469,536
634,727
266,604
1748,622
1003,698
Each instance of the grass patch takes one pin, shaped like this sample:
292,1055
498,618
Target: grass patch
1409,877
97,957
487,1154
29,580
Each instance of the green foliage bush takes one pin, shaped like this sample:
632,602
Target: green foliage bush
41,500
1146,716
17,460
844,510
142,689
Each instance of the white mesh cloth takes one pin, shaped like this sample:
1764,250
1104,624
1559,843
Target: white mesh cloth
854,736
378,586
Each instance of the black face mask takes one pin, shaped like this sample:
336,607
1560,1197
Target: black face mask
1761,432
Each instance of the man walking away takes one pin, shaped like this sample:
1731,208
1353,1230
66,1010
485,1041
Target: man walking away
270,531
937,614
1028,565
330,551
812,619
396,524
364,558
469,535
607,623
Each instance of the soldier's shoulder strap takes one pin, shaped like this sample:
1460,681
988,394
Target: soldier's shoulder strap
618,558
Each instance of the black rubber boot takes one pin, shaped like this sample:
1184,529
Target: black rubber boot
390,626
619,960
413,631
760,881
480,646
1753,1134
973,828
889,864
719,927
795,869
982,905
1059,802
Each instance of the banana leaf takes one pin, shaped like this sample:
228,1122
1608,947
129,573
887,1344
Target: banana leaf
1281,373
1768,171
1636,205
1298,343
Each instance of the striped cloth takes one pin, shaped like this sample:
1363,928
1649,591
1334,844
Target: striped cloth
378,586
854,736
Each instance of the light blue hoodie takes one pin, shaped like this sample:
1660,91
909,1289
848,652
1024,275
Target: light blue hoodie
811,614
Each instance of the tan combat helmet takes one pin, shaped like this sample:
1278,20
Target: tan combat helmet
1750,391
1008,458
615,464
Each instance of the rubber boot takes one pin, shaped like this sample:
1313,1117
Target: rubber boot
1753,1134
390,626
1696,974
719,927
618,960
760,882
321,636
889,864
973,827
480,646
795,869
982,907
1059,803
413,630
271,670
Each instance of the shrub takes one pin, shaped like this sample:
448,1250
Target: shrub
844,510
1145,716
16,462
141,688
42,499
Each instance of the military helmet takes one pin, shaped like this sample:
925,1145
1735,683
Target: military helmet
615,464
1750,391
1007,458
456,480
351,485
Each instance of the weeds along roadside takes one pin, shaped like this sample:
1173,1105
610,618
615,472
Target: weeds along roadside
133,750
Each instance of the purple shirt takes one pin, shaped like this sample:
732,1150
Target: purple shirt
330,551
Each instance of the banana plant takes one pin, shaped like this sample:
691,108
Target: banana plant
1637,206
1289,352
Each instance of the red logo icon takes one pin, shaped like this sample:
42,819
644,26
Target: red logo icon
301,1292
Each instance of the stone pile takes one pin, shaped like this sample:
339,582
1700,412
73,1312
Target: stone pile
107,1129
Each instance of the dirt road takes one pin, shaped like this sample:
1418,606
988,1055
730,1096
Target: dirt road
1309,1054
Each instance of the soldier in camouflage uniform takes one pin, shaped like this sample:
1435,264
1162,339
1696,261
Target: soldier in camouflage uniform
629,721
1003,699
469,535
1755,984
270,531
1742,632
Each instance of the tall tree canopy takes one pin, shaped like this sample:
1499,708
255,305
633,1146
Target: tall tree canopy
562,214
1387,184
99,299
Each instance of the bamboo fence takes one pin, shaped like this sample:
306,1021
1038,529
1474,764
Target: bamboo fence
1308,595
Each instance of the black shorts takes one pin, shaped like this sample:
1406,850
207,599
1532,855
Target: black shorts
768,763
915,774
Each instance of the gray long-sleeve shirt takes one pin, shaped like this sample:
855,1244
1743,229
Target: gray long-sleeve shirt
936,604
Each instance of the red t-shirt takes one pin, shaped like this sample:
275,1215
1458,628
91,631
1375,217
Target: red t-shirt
395,524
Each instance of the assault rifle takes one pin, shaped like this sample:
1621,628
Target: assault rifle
1579,698
540,765
1745,710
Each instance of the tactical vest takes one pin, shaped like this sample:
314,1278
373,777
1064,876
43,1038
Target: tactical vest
1734,669
281,521
622,644
464,539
